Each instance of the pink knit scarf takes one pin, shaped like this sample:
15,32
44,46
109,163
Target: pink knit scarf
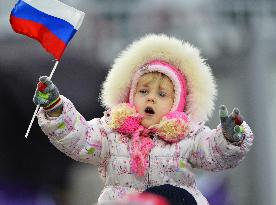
124,119
141,146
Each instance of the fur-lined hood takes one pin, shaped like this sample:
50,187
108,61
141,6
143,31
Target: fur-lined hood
200,81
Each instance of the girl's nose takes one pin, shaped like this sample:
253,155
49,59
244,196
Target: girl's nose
151,99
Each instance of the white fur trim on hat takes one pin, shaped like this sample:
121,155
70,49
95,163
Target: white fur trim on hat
200,81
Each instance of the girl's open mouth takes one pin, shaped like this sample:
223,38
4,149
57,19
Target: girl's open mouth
149,110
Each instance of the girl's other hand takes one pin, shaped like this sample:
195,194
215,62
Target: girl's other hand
231,124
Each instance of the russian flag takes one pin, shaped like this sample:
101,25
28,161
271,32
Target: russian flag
50,22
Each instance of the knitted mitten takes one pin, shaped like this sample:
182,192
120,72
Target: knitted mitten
47,95
231,128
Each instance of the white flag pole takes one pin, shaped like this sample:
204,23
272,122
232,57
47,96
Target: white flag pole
54,69
37,107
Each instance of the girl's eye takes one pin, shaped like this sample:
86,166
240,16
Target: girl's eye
162,94
143,91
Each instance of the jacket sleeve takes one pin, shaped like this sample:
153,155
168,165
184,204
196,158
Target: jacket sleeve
211,151
82,140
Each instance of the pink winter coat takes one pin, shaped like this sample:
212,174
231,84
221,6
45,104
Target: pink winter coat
93,142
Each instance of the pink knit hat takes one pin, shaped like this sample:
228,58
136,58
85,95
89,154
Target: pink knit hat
175,76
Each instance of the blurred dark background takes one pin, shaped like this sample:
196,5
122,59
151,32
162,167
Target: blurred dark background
237,38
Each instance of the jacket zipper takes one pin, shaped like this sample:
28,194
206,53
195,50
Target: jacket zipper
148,184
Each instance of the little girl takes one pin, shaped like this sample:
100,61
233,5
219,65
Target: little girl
158,94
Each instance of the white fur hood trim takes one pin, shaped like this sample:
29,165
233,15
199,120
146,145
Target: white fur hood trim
200,81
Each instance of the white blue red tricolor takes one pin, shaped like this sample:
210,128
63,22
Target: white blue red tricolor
50,22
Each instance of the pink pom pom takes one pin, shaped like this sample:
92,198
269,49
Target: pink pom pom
173,127
130,124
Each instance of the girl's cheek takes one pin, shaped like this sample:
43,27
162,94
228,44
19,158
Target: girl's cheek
137,107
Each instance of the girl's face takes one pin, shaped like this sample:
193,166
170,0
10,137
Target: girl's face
154,97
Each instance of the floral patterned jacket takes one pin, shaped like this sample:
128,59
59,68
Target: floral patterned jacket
169,163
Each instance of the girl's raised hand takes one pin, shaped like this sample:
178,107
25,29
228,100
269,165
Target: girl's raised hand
46,94
230,124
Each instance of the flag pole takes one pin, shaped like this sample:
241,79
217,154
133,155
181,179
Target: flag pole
53,70
37,107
